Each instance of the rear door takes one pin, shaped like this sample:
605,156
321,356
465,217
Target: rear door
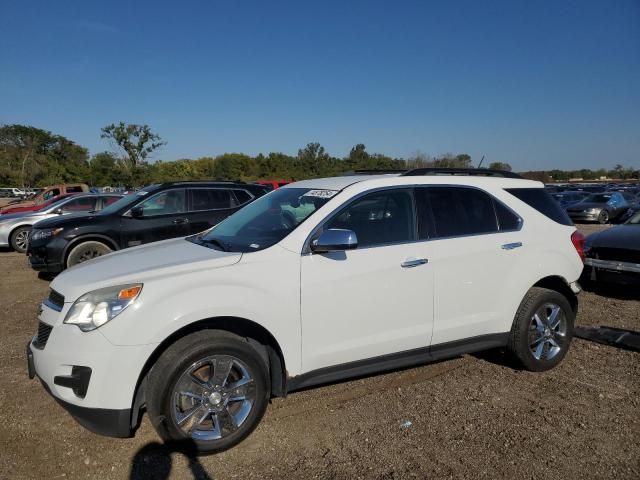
473,241
164,216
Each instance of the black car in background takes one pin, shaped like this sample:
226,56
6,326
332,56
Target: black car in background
613,255
157,212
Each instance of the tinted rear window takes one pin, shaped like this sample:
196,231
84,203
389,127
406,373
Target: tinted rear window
540,200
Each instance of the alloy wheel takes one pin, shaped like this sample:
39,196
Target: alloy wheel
547,331
213,397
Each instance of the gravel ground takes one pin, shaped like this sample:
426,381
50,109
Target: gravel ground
470,417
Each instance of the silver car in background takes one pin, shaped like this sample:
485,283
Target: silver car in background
15,228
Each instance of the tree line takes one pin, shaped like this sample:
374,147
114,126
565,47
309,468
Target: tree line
33,157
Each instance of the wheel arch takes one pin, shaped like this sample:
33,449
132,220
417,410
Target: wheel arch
96,237
560,285
271,351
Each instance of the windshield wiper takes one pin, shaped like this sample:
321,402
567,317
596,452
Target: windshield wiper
213,241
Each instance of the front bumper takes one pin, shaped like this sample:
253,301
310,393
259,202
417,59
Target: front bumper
91,378
612,271
108,422
47,255
613,265
583,216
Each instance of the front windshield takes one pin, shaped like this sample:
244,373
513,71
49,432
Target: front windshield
597,198
127,200
266,221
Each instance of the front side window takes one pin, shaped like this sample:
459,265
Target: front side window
266,221
169,202
461,211
379,218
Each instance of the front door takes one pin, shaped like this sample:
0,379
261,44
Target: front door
163,216
372,301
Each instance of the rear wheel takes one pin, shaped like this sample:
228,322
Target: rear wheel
86,251
603,217
542,329
209,388
20,239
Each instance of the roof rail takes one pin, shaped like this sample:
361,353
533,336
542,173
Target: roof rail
480,172
388,171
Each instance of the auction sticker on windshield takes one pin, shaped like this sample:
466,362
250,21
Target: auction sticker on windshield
320,193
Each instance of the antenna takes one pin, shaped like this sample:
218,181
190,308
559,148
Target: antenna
481,160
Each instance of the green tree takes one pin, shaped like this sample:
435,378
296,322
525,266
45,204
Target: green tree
136,143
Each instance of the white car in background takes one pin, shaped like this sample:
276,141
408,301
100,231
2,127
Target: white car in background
315,282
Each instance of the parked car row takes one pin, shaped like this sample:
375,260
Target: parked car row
601,204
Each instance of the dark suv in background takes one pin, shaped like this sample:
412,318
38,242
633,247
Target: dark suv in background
157,212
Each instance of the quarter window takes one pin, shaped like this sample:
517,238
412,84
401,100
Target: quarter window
242,196
379,218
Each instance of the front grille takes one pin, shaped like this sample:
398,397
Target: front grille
55,300
615,254
42,336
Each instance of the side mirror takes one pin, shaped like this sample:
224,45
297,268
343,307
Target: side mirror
335,240
137,212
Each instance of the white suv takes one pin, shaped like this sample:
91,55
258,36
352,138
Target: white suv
315,282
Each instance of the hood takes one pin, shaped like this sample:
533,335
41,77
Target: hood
68,219
586,205
12,216
26,203
621,236
167,259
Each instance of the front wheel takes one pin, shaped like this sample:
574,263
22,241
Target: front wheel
86,251
209,388
542,329
603,217
20,239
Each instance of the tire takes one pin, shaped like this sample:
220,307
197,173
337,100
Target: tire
603,217
20,238
86,251
189,366
528,333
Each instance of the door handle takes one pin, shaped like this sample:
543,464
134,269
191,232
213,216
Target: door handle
511,246
180,221
413,262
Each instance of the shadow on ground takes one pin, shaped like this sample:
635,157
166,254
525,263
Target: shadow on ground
155,460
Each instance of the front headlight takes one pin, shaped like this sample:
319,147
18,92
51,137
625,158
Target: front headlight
96,308
50,232
593,210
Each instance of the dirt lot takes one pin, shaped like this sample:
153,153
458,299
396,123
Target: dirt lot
470,417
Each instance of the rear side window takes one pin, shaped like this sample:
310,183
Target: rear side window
109,200
76,189
461,211
210,199
540,200
83,204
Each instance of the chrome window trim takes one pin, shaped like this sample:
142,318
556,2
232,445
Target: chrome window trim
306,246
